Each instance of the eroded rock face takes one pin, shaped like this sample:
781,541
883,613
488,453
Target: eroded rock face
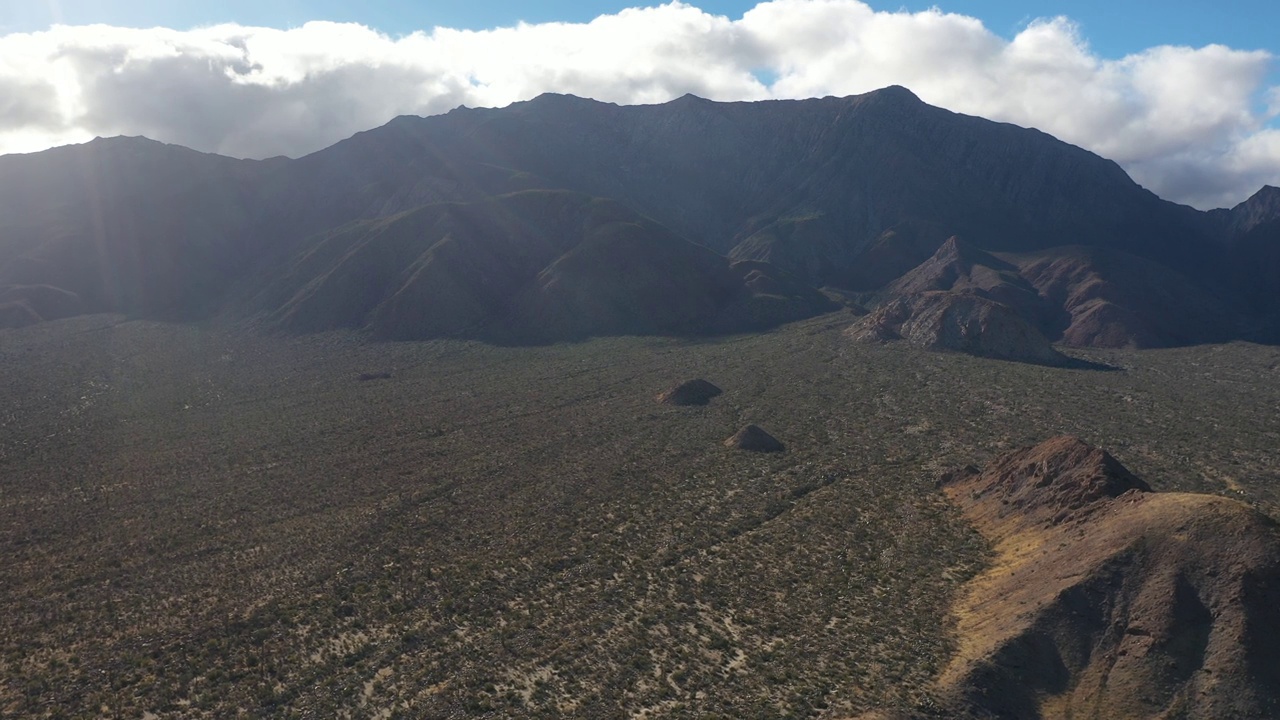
1108,600
1082,296
960,322
1109,299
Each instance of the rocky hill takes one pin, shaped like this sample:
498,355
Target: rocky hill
1107,599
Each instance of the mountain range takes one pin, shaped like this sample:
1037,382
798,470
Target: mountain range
562,217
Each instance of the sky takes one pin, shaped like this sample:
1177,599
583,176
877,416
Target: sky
1184,94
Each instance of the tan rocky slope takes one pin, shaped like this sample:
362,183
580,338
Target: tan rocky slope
1107,600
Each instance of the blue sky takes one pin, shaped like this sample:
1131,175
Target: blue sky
1113,27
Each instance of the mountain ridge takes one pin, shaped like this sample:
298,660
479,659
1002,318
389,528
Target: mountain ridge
849,193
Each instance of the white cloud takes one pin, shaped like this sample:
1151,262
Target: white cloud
1190,123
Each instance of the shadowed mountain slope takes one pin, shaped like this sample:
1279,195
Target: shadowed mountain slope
1109,298
527,267
838,171
1108,600
125,224
1261,208
1252,230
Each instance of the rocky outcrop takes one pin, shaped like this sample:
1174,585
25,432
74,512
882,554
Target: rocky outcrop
1082,296
958,266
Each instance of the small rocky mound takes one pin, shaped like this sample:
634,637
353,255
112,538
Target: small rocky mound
1105,599
958,321
692,392
755,439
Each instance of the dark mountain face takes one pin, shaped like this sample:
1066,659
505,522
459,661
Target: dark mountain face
843,192
125,224
1251,231
841,170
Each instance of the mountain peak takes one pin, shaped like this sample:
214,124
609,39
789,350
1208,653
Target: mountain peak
953,258
690,98
954,247
555,99
1261,207
1268,195
896,92
123,141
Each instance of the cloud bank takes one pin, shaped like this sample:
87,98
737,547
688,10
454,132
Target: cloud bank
1189,123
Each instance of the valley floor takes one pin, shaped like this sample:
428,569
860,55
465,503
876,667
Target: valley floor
203,522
